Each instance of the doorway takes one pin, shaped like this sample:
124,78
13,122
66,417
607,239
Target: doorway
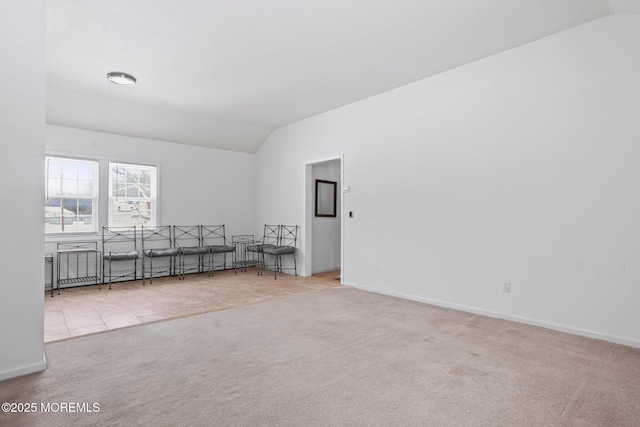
323,233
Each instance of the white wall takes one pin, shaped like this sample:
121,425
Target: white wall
521,168
197,185
22,117
326,230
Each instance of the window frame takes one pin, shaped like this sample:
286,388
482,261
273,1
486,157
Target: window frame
103,193
95,196
154,188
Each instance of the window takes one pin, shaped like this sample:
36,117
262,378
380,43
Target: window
132,195
71,192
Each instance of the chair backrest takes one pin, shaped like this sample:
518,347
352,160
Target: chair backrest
119,239
186,236
156,237
212,235
288,235
271,234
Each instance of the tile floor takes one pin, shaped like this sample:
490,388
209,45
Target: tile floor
85,310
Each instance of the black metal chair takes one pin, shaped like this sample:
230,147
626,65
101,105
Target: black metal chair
157,242
287,240
214,239
186,239
119,244
269,239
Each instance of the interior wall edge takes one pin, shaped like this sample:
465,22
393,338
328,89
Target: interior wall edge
24,370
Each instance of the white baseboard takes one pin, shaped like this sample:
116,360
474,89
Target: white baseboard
556,327
24,370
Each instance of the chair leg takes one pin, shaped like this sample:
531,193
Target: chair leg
276,262
235,266
257,262
234,260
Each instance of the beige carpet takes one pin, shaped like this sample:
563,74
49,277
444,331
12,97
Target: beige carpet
334,357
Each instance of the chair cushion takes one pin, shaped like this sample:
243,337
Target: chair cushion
218,249
194,250
258,247
152,253
121,256
279,250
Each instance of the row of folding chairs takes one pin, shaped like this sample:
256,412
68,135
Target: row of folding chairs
177,250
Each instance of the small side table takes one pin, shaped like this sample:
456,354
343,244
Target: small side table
77,261
48,262
241,258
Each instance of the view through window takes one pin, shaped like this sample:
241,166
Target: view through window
72,199
71,195
132,195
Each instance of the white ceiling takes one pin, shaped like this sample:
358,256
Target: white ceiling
224,74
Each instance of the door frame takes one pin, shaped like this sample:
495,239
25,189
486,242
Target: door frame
309,212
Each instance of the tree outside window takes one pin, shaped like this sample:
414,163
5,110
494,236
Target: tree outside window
132,195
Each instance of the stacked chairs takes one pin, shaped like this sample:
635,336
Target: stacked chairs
119,244
286,245
213,239
157,242
187,240
269,239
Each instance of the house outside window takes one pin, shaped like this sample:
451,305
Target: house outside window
71,195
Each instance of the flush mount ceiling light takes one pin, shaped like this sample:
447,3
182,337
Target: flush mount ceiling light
120,78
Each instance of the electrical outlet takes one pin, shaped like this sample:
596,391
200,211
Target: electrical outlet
507,287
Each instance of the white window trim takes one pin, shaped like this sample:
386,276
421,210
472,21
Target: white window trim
155,207
77,234
103,188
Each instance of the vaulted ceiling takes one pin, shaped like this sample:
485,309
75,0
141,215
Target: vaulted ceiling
224,74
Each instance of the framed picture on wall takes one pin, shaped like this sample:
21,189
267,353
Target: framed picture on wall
326,198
